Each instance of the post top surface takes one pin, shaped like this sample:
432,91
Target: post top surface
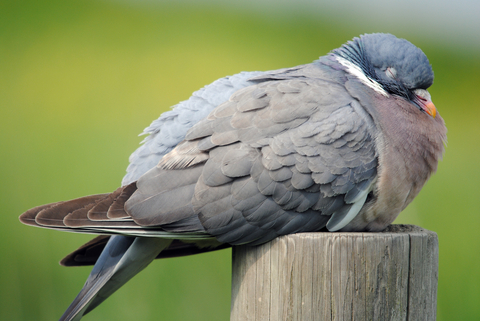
396,230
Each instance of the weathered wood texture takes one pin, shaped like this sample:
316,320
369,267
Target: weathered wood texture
390,275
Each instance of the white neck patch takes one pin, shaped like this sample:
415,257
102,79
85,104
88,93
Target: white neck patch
357,72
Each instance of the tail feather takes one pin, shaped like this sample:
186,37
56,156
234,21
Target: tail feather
117,258
88,253
122,258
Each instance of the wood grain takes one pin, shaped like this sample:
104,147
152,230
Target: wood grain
390,275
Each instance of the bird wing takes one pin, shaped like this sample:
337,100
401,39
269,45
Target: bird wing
279,157
170,128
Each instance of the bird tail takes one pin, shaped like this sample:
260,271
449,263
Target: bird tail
122,258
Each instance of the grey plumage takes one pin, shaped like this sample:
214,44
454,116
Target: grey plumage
170,128
344,143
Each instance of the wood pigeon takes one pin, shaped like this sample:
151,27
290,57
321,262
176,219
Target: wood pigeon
342,144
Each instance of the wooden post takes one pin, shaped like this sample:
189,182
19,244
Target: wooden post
390,275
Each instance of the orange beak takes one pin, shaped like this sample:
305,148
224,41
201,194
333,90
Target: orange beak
426,105
430,109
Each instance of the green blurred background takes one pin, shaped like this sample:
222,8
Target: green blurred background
80,79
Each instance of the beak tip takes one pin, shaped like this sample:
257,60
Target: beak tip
430,109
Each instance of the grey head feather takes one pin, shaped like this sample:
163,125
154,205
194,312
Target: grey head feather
374,53
412,65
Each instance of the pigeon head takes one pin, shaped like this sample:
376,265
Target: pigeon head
390,66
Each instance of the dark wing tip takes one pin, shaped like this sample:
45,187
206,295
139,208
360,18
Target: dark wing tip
81,212
29,216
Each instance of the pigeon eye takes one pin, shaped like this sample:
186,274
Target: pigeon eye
391,72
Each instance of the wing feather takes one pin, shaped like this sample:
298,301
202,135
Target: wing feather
278,157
